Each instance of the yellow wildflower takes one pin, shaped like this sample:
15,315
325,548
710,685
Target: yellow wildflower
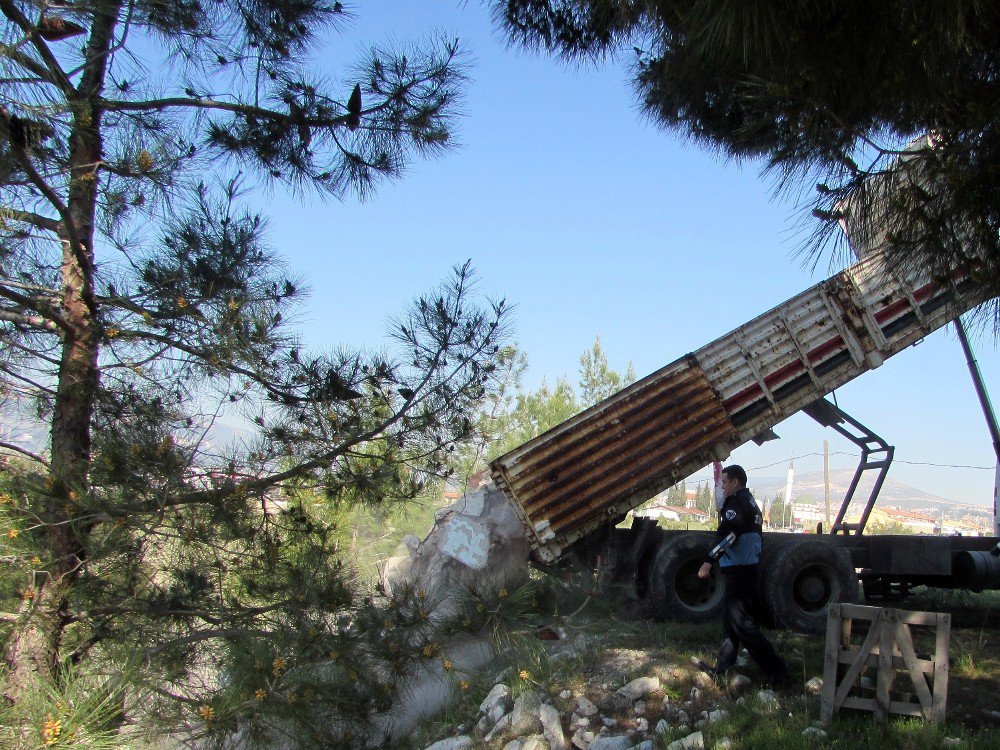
524,674
464,684
448,665
182,303
73,496
260,694
428,650
36,560
4,498
112,332
279,666
233,304
28,594
13,533
206,712
51,729
421,594
291,697
502,593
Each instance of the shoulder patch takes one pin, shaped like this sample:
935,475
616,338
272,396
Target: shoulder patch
730,515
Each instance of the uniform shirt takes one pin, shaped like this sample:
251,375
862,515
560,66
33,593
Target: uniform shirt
741,516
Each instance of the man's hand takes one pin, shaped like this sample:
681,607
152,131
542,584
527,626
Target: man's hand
705,570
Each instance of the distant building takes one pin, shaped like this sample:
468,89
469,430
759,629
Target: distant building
919,523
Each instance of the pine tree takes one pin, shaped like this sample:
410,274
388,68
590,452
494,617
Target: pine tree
139,304
888,108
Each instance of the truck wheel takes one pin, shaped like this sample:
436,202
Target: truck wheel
675,591
771,549
804,579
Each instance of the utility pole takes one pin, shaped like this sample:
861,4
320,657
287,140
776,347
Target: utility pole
987,407
826,479
788,496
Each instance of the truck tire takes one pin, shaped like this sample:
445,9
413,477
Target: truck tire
771,549
674,590
804,579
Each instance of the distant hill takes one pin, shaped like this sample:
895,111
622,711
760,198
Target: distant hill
894,492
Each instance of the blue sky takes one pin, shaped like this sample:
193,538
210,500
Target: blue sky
592,221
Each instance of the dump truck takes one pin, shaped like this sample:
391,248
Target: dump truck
572,485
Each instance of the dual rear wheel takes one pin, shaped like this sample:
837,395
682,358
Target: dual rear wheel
799,582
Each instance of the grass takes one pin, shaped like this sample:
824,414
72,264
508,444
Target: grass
610,646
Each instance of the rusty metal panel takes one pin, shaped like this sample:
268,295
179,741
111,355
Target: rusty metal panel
643,439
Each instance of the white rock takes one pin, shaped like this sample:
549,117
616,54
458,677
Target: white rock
566,695
694,741
496,712
719,714
640,708
951,742
411,542
814,686
695,694
514,744
452,743
485,724
524,717
642,724
768,700
739,682
552,727
500,694
500,727
814,733
472,503
609,722
582,721
616,742
584,707
582,738
723,743
682,717
662,727
639,688
644,745
741,661
467,541
534,742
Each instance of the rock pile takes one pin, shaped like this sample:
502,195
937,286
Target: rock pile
639,715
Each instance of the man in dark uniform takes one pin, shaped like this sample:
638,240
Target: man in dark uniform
737,550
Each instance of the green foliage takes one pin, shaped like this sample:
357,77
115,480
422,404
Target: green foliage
140,305
885,107
79,710
597,379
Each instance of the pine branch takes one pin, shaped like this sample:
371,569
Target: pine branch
55,73
18,449
28,217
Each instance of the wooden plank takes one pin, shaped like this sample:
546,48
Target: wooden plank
886,626
859,611
918,618
855,669
942,663
905,644
851,655
895,707
831,661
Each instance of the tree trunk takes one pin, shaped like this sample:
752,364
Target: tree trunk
34,649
